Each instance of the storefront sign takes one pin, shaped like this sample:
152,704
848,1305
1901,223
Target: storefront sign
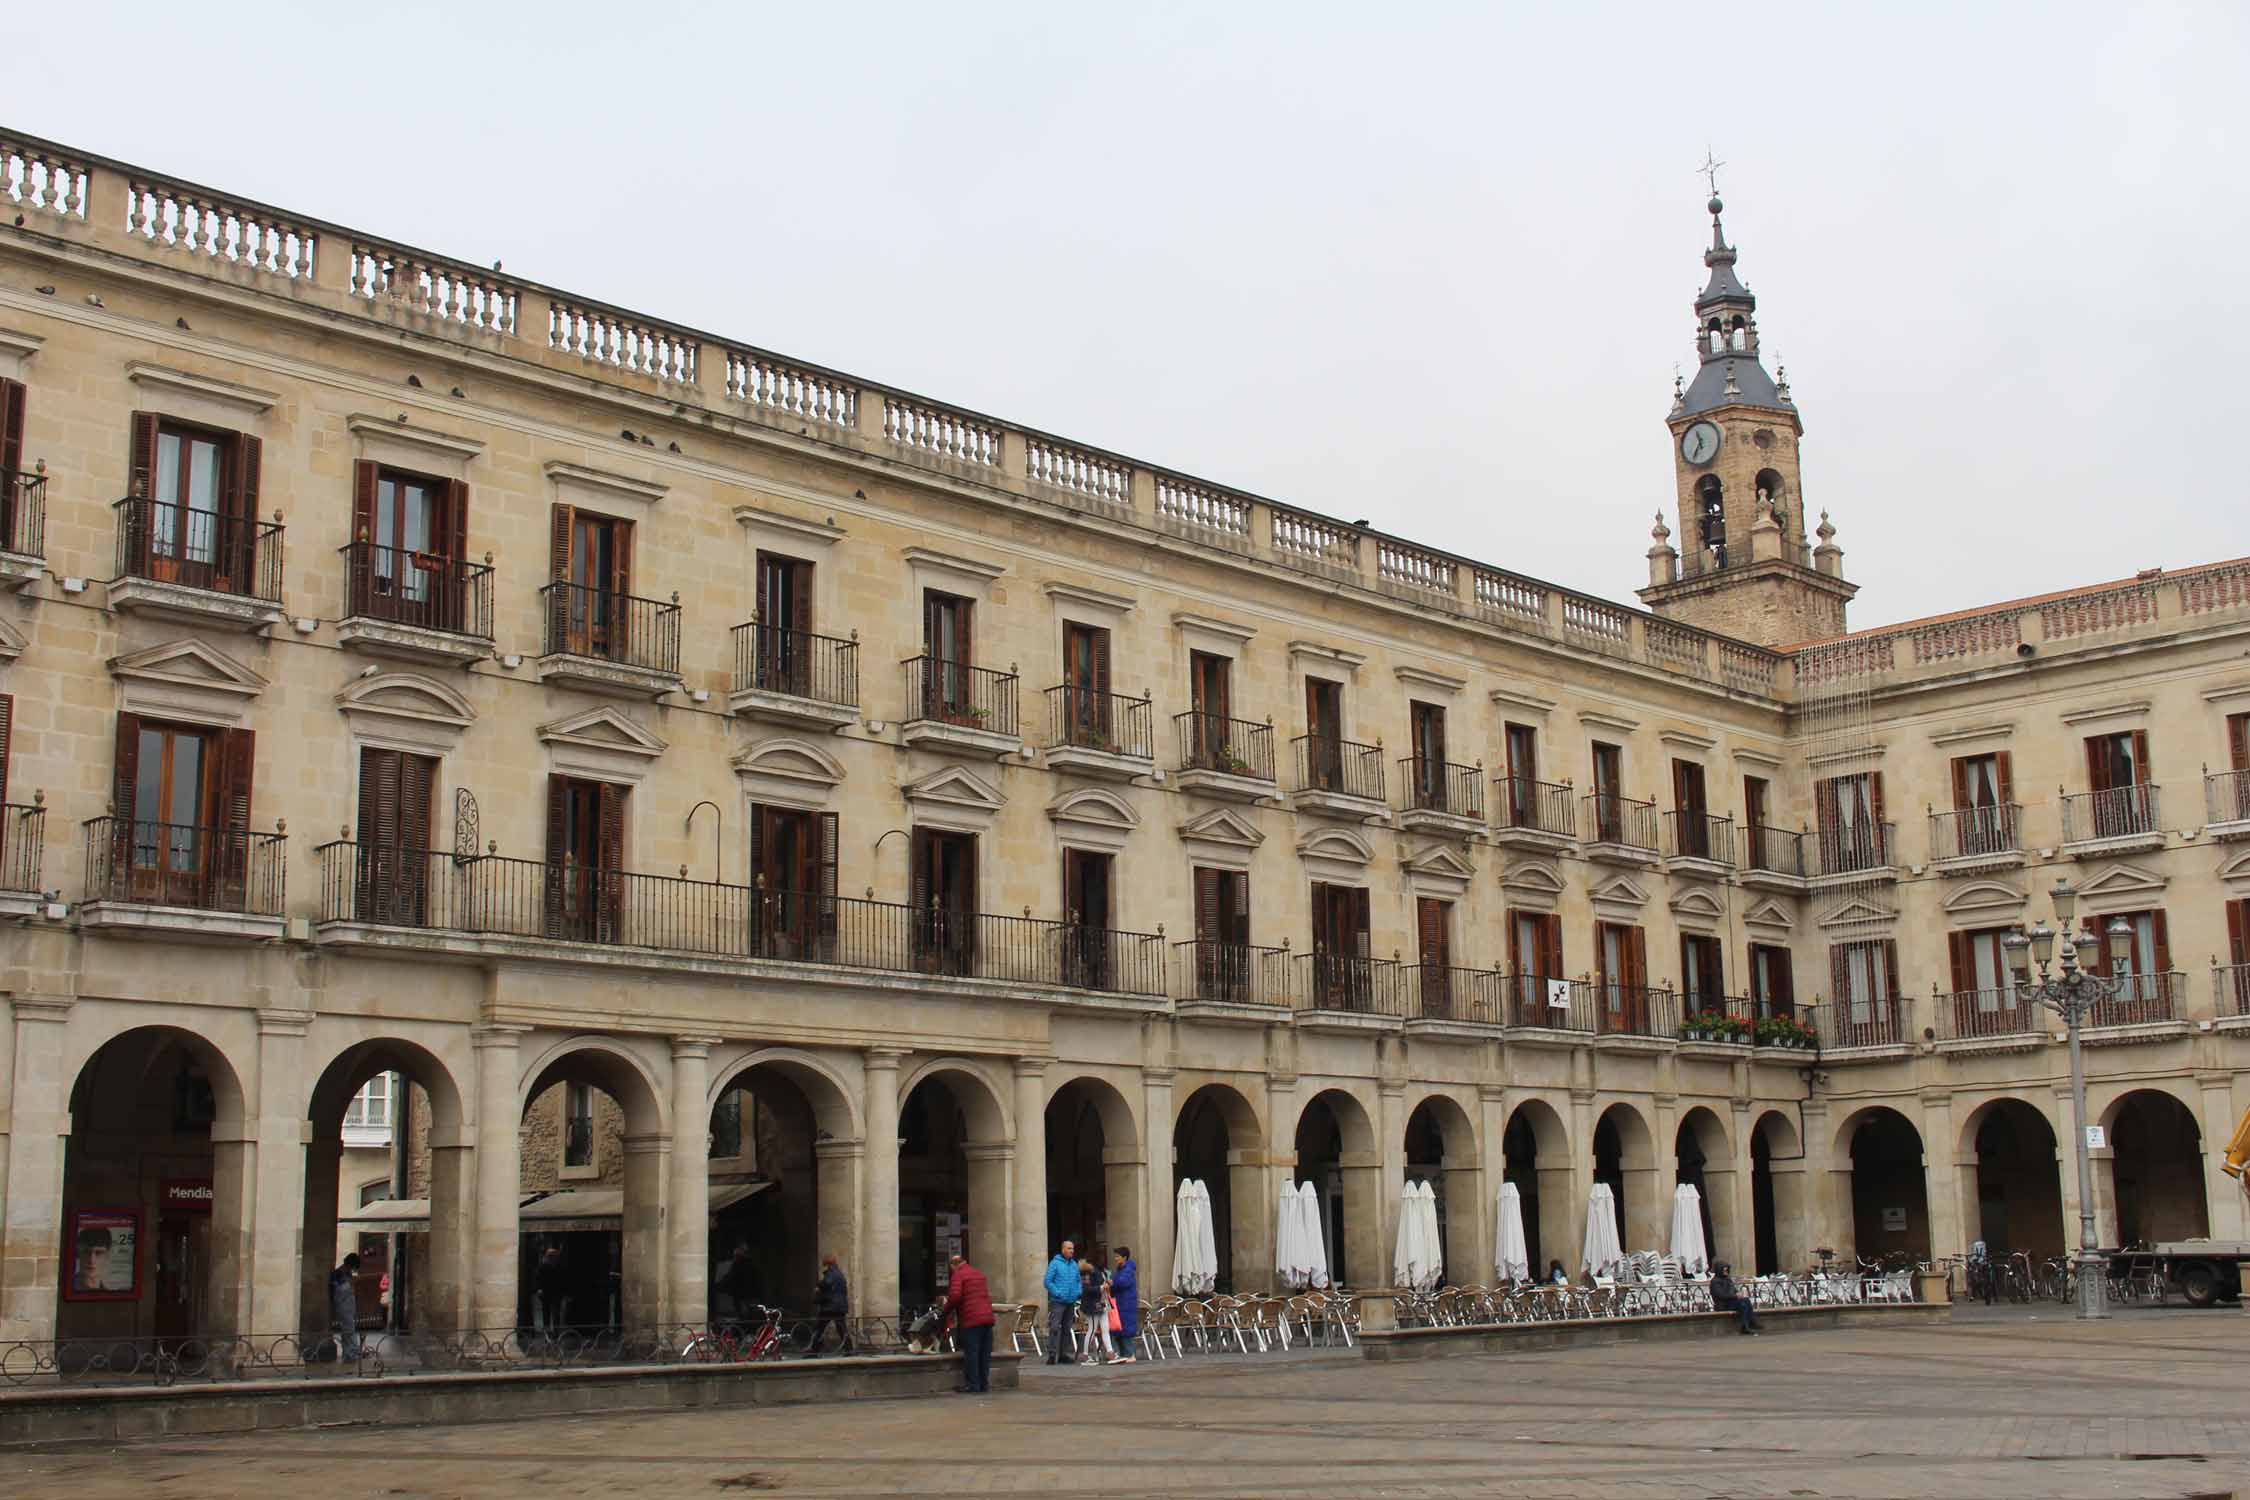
190,1195
105,1262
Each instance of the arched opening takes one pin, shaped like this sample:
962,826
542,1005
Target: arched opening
2156,1158
1441,1149
1777,1194
953,1160
152,1208
1890,1198
1625,1158
1090,1199
1335,1145
1705,1161
1535,1152
590,1225
2019,1189
1738,333
1768,486
778,1202
1215,1142
377,1186
1711,520
1714,336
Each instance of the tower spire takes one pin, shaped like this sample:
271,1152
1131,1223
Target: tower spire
1726,335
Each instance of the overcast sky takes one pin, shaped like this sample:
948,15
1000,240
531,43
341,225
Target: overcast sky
1428,265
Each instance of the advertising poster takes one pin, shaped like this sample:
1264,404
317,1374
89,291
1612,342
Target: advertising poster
105,1260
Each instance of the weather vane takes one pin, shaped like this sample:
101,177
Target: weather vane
1710,170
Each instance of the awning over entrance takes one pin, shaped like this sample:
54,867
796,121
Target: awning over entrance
565,1211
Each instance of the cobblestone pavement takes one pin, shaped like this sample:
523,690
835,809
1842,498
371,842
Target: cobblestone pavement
2146,1405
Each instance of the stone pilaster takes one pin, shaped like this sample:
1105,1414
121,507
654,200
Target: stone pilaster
879,1237
688,1221
1026,1237
499,1169
39,1127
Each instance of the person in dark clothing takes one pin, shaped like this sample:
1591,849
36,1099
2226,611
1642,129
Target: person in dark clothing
1727,1297
831,1308
343,1308
1125,1296
968,1306
549,1286
733,1285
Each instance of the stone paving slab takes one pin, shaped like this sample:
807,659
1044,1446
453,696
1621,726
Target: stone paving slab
2140,1406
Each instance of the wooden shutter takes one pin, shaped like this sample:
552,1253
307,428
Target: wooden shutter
1781,994
1875,812
378,830
1636,958
1550,957
1320,930
1238,908
2238,934
1360,931
1100,643
1890,968
2003,777
2238,741
237,762
11,426
122,787
1679,786
1962,795
1429,915
1959,949
559,529
800,598
925,852
558,819
1207,909
1515,942
2163,941
609,856
1824,809
2140,756
1839,974
247,466
141,474
364,567
2097,764
824,824
621,550
453,538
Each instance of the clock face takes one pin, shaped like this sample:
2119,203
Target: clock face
1700,443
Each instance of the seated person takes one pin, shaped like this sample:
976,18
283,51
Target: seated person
1727,1297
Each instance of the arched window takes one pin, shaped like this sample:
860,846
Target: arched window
1769,491
1711,518
1740,334
1716,336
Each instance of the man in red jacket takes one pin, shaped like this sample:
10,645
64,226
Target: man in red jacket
968,1306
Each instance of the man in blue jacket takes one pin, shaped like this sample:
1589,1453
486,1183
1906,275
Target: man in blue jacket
1063,1288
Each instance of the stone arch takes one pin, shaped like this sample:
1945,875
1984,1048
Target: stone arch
617,1278
1457,1175
1624,1149
149,1102
1093,1167
1704,1154
2011,1188
785,1151
1336,1149
2154,1167
833,1097
1219,1140
1536,1156
982,1100
1778,1237
1881,1152
960,1149
611,1066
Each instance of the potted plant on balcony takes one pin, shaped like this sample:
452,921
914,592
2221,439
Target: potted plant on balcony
1784,1031
1225,759
1713,1026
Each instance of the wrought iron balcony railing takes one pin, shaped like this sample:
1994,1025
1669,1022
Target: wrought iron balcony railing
1631,1010
1442,787
2141,999
1971,1015
953,692
2119,812
604,625
23,844
1618,820
1875,1021
2226,796
1695,835
1342,982
1974,832
421,589
1863,846
1235,747
1233,973
1773,851
1083,719
203,549
796,663
1441,992
1536,806
1340,766
229,870
23,513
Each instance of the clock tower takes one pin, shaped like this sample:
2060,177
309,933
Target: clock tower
1745,565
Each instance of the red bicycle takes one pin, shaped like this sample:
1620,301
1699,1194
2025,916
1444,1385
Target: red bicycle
738,1342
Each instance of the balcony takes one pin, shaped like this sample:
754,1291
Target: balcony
1441,998
23,526
2143,1003
1873,1024
1698,844
2226,804
1995,1020
1540,817
1232,981
416,606
1543,1004
1338,992
1773,859
183,882
2230,991
1230,759
1099,734
1337,776
1441,798
784,676
953,706
1622,1010
1971,839
607,642
1864,851
23,846
1619,830
2120,820
198,566
477,906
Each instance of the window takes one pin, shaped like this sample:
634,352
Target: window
1702,977
781,653
1086,911
578,1125
1772,987
1864,978
395,793
793,872
1426,722
2117,774
1324,733
1755,810
1523,775
2237,980
2234,804
1980,970
1433,931
948,691
367,1119
12,405
2146,973
192,515
1983,812
1536,957
1211,706
1621,976
945,901
1222,934
585,859
1689,812
1342,976
1711,517
10,877
1085,694
726,1127
1609,778
408,530
182,798
1852,832
592,557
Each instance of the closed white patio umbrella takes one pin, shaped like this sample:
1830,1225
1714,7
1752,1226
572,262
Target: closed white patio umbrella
1316,1243
1194,1254
1433,1238
1511,1260
1687,1230
1291,1256
1415,1260
1603,1248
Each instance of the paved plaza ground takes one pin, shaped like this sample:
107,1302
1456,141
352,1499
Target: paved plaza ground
2151,1403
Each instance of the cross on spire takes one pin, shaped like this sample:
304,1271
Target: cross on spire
1710,170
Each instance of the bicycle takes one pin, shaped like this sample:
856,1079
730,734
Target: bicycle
738,1342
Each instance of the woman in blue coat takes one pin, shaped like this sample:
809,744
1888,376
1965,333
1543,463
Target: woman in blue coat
1125,1296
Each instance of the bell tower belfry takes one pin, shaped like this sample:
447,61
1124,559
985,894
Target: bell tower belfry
1745,565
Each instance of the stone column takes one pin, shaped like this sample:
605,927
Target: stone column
1025,1238
839,1227
1575,1181
276,1248
688,1209
444,1299
879,1238
1153,1251
1254,1184
38,1129
1491,1119
642,1298
323,1169
1385,1184
1940,1186
1793,1219
2221,1193
499,1157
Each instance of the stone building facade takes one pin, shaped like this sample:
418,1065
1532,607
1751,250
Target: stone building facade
414,670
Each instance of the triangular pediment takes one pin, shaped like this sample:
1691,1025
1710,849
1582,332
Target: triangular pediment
790,760
1698,904
2122,880
1440,862
956,787
189,663
1769,914
1095,806
1985,896
1533,875
1223,826
1619,891
1857,913
407,695
1343,844
606,728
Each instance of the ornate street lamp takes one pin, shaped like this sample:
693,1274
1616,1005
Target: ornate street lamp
2071,991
